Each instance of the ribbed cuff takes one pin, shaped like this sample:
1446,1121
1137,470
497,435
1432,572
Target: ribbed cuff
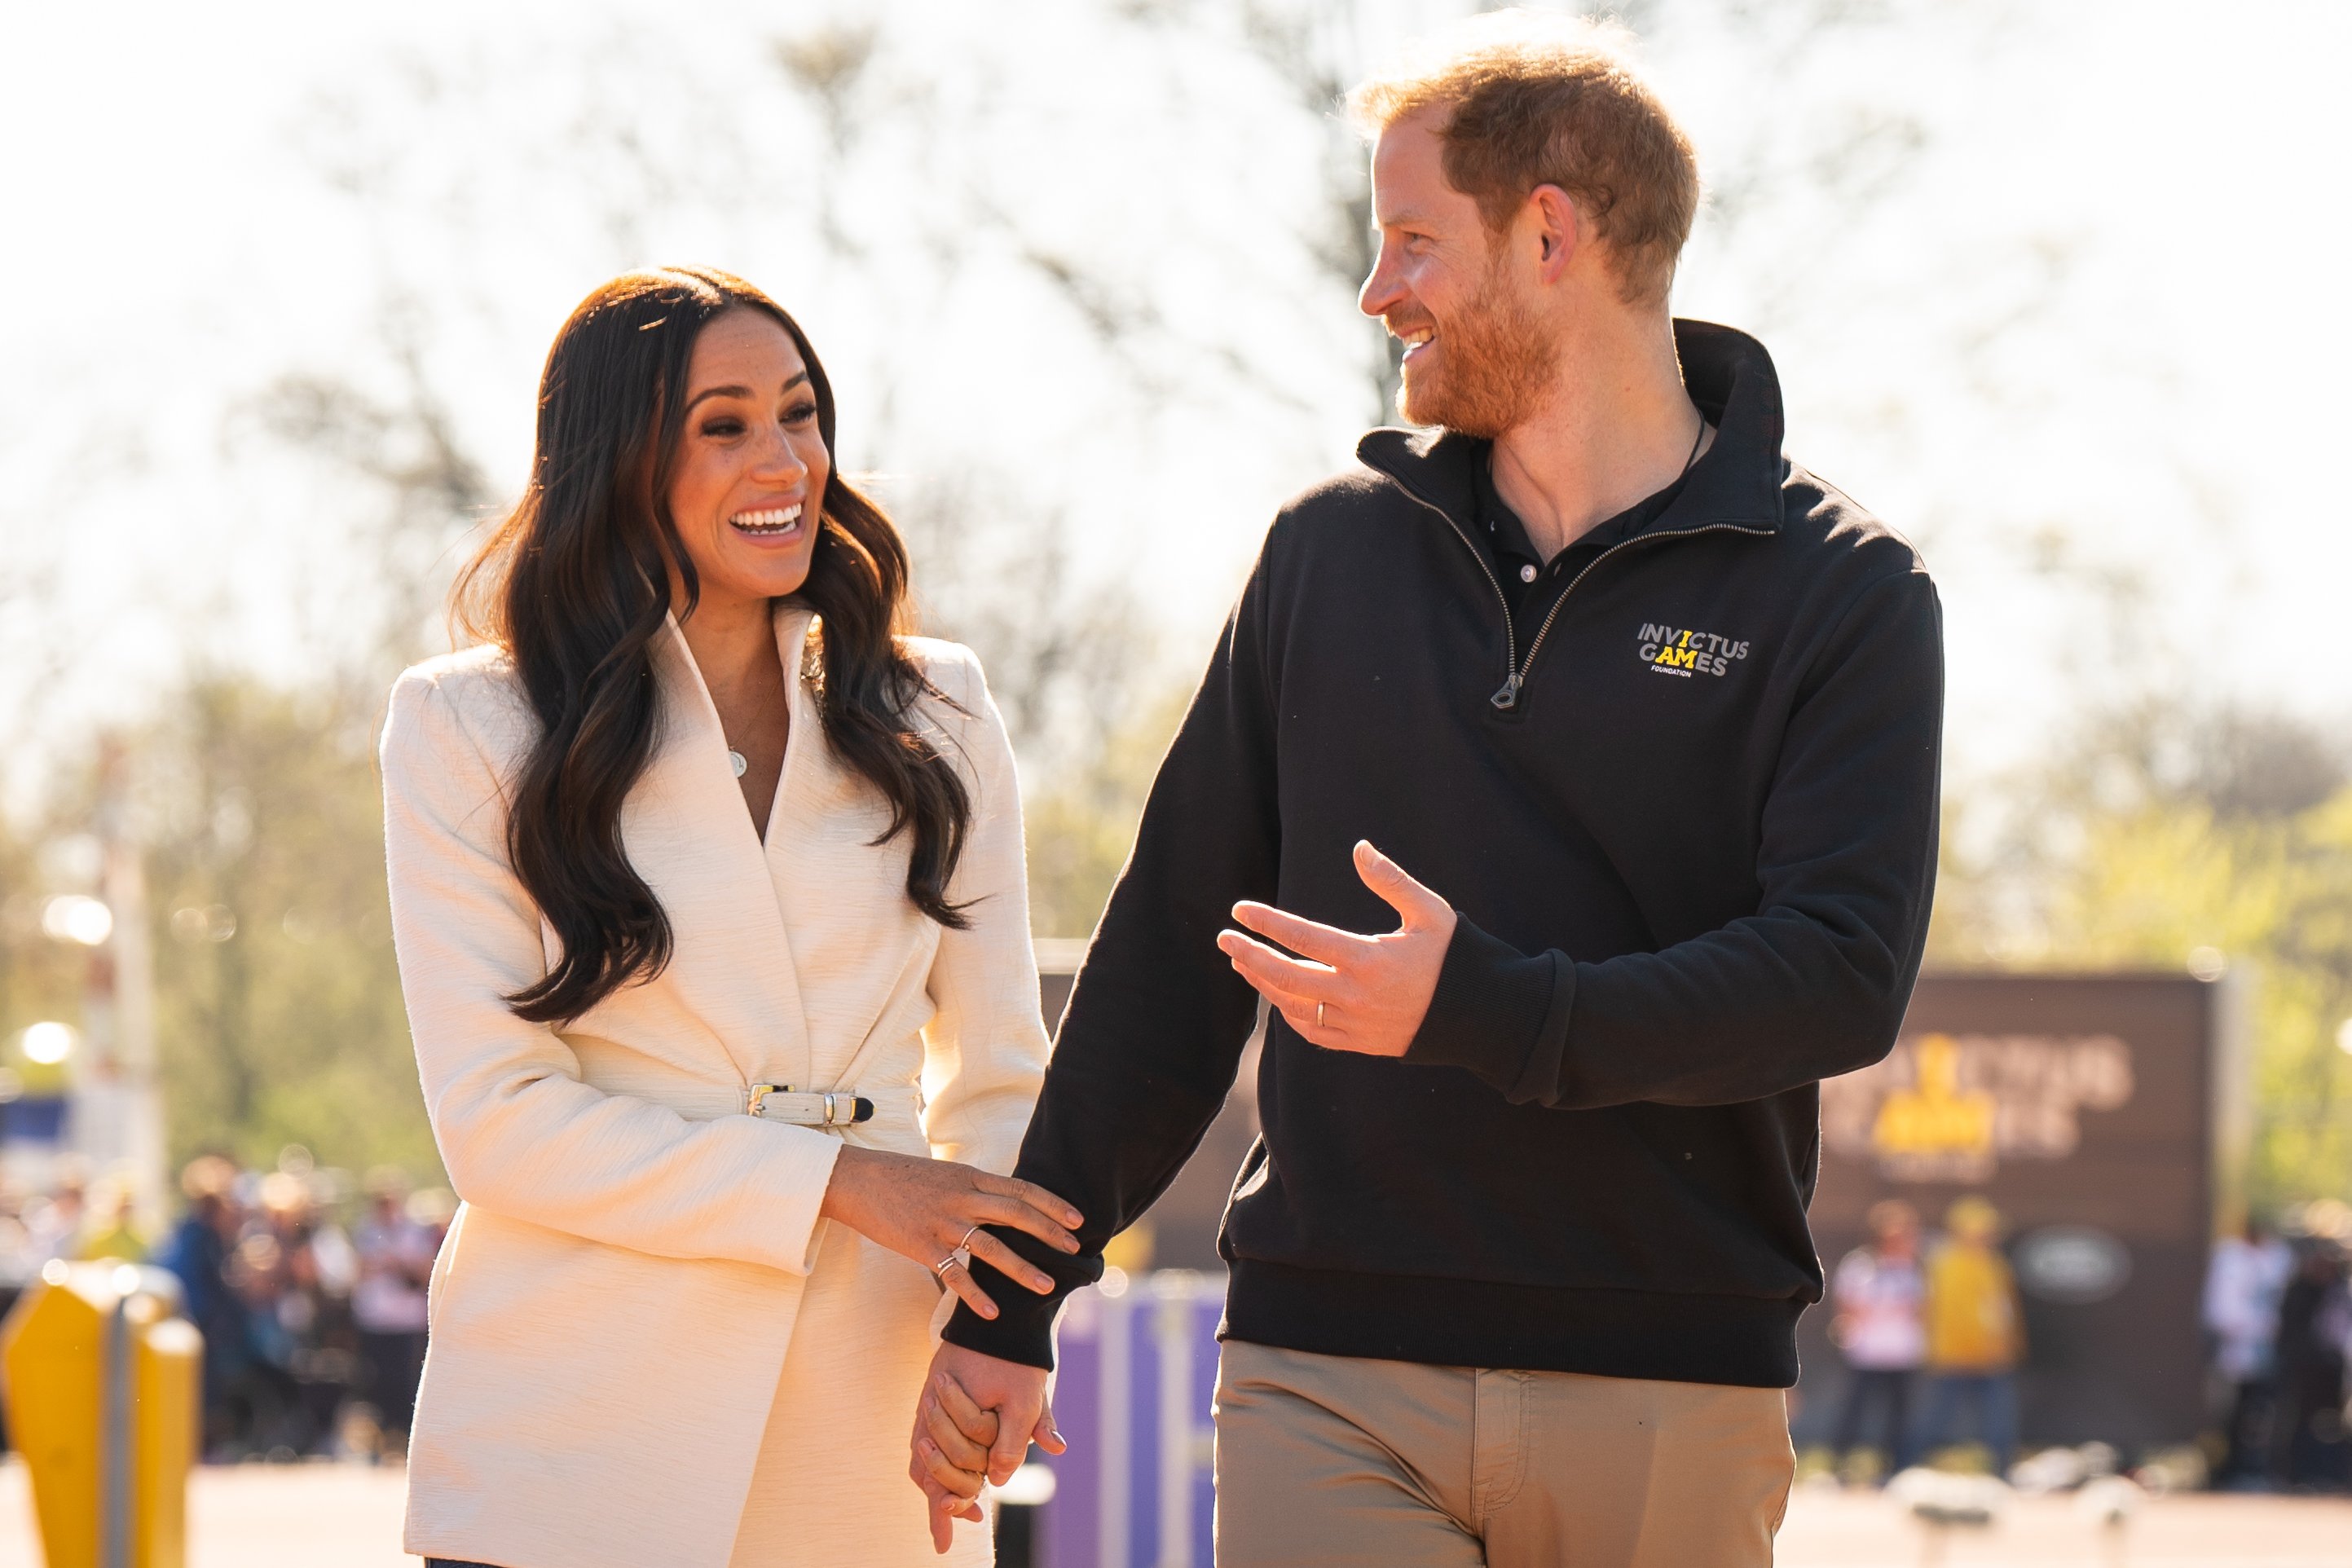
1022,1329
1498,1012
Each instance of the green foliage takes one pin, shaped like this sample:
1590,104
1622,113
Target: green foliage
278,1010
1082,824
2137,850
292,1029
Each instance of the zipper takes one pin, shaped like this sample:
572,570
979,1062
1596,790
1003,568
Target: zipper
1514,670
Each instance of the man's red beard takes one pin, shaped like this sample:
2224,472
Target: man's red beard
1493,363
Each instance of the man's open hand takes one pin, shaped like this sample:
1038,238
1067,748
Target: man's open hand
974,1424
1366,994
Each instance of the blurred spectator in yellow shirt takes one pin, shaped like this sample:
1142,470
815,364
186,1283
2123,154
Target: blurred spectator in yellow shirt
1975,1335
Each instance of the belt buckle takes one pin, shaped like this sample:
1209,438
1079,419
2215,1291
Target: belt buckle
759,1096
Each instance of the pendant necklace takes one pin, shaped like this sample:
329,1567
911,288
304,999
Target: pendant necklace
738,761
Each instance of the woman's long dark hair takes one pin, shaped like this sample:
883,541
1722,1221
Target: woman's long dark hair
575,583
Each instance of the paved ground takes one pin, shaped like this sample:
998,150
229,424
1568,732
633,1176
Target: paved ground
331,1516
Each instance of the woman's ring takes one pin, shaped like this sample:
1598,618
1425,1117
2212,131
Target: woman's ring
944,1264
964,1246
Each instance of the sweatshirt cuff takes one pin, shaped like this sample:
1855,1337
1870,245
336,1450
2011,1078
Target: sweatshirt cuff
1022,1329
1498,1012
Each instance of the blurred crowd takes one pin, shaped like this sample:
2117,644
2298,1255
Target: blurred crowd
309,1288
2278,1309
1933,1336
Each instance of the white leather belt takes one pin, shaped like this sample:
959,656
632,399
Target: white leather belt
834,1108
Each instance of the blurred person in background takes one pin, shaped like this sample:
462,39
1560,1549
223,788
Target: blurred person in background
198,1254
112,1229
1881,1328
2308,1446
315,1280
1649,719
55,1222
707,891
1976,1337
20,1257
2243,1287
388,1304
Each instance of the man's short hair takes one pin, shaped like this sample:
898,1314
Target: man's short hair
1548,100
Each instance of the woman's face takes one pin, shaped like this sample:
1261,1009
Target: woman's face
750,471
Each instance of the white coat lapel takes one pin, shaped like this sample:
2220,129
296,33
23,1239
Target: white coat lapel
688,835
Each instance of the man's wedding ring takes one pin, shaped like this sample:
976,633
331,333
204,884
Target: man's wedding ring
1318,1014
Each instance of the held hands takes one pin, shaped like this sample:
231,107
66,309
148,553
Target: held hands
927,1209
974,1425
1365,994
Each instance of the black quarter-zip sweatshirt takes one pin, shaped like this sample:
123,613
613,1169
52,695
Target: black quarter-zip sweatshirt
1689,824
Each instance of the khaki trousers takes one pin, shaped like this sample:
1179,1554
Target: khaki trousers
1334,1459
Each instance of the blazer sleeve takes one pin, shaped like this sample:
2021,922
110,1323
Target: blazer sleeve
984,1049
519,1133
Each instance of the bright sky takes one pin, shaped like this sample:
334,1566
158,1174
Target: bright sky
2095,321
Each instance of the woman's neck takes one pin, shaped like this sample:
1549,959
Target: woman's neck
733,641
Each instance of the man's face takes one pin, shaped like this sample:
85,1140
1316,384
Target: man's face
1478,356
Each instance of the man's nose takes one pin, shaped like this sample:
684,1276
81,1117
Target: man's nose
1383,290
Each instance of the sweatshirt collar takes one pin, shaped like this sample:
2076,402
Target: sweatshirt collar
1738,481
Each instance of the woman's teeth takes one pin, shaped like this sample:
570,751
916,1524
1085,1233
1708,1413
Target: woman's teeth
776,519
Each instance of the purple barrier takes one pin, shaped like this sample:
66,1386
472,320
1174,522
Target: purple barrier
1138,1367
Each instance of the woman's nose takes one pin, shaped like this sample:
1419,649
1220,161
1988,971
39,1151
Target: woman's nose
782,461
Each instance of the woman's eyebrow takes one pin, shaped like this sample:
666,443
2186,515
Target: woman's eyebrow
741,391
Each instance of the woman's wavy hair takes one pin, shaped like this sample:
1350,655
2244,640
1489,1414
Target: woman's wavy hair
575,585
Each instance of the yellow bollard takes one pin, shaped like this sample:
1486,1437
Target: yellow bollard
101,1388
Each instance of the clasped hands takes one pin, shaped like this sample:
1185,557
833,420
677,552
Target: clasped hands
1345,991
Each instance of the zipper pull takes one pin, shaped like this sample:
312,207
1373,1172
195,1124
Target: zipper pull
1507,698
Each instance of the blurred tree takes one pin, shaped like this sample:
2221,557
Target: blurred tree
2164,830
278,1003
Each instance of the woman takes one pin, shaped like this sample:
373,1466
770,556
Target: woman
708,892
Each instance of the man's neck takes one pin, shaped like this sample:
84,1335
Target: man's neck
1616,428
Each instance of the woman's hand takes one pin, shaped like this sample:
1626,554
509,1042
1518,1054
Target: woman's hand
927,1209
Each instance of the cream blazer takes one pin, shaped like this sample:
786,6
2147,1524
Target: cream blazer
616,1300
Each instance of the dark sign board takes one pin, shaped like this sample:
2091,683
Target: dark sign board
2086,1109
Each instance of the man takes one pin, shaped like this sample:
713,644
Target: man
2242,1289
1881,1297
1976,1336
1644,721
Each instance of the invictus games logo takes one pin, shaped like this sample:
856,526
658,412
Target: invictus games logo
1951,1108
1677,651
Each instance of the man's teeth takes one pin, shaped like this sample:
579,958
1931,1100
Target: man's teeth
762,522
1419,336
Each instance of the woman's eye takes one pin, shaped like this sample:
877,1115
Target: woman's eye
799,414
722,427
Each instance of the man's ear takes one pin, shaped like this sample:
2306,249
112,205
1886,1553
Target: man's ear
1559,230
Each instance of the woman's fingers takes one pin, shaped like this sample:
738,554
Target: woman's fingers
1027,1217
1011,1265
974,1423
963,1483
961,1451
1029,1193
958,1279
